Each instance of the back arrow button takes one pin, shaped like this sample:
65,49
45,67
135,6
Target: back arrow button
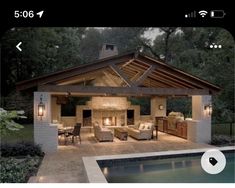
18,46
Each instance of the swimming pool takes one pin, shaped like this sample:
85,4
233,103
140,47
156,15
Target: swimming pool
179,168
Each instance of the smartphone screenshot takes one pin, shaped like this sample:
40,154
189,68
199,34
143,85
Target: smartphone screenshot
117,96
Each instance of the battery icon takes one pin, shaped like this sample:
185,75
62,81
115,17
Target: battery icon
217,13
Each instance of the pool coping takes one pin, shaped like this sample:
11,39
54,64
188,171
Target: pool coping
95,174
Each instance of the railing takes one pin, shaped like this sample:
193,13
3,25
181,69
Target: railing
227,129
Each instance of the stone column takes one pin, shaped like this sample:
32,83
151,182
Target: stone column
155,103
44,134
200,128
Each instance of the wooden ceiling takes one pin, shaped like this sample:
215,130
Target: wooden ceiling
132,70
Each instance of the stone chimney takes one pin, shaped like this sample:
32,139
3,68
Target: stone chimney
108,50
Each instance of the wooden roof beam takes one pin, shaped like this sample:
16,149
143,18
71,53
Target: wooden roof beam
135,77
145,75
153,84
127,63
179,78
161,82
135,68
173,80
71,72
182,74
133,91
119,72
173,83
135,64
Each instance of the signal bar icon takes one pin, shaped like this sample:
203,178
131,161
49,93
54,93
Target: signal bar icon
191,15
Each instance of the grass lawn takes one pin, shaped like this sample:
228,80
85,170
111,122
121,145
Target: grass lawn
25,134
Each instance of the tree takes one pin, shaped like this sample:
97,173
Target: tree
45,50
90,45
168,31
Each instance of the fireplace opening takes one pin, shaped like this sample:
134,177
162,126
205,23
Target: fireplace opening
130,117
109,121
87,118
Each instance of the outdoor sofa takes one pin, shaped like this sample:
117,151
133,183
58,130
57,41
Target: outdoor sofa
143,131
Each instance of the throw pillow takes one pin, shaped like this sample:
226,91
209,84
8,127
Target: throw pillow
96,124
142,126
149,125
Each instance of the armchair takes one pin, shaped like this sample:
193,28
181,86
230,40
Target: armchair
102,134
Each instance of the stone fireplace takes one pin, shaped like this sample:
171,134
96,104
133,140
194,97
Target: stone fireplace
109,121
109,117
108,111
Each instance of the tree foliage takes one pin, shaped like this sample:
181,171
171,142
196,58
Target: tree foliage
7,122
189,50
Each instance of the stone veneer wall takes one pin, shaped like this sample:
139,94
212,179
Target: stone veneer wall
109,103
68,121
119,114
101,107
117,106
155,102
55,109
144,118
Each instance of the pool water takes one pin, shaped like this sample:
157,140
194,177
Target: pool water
185,169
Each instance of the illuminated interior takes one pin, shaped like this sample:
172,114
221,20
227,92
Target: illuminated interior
109,121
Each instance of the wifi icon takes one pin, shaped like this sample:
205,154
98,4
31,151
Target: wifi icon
202,13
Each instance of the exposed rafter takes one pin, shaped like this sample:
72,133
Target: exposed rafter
50,78
145,75
117,70
127,63
126,70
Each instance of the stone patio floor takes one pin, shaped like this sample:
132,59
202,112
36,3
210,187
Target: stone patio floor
66,165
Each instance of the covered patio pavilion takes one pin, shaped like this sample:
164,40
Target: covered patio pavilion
109,82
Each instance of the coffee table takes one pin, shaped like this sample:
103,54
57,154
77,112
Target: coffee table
121,133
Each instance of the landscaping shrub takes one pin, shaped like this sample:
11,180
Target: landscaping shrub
222,140
19,161
18,170
21,149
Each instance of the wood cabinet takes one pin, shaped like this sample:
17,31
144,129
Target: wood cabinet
161,122
182,129
179,130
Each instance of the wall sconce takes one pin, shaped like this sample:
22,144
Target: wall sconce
208,109
41,108
161,107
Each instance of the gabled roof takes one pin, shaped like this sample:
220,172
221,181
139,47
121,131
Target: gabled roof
125,70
